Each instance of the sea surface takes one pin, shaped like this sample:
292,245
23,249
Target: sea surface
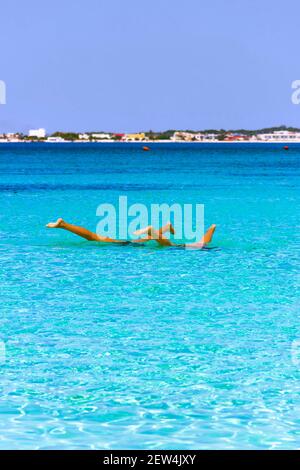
123,347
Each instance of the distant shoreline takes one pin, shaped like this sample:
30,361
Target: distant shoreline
145,143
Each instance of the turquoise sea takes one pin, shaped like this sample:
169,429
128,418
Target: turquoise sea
110,347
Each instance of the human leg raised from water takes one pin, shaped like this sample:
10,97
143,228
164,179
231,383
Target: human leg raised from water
157,235
150,230
82,232
207,238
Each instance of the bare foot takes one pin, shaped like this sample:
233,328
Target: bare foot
56,224
207,237
171,228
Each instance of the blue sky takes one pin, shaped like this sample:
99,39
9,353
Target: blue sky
138,65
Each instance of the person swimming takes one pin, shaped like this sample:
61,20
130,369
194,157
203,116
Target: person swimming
150,234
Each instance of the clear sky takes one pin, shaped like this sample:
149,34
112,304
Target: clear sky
130,65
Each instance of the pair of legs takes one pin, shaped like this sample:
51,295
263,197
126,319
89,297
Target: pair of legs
158,235
150,232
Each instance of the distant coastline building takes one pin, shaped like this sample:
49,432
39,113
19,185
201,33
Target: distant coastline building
83,136
211,137
180,136
186,136
279,136
235,137
101,136
119,136
12,137
55,139
134,137
38,133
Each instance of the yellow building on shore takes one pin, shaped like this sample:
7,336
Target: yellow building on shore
135,137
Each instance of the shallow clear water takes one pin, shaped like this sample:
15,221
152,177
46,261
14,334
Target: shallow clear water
125,347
